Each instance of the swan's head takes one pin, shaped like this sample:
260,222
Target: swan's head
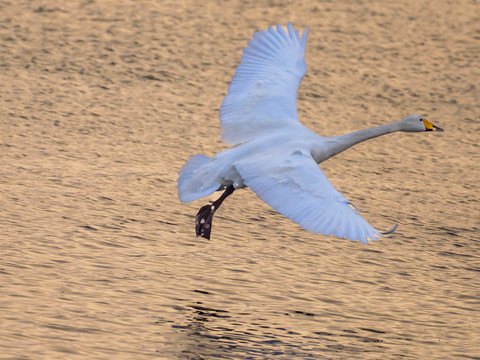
417,123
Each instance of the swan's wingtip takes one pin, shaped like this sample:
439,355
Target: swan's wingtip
391,230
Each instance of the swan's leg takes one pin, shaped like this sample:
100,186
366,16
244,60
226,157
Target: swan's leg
203,220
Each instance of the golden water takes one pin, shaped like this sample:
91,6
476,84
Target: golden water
103,101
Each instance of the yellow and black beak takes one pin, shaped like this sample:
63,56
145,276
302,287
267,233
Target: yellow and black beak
430,127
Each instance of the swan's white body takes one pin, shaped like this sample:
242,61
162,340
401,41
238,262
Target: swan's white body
273,153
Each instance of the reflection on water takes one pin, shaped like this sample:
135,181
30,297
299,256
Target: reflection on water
206,338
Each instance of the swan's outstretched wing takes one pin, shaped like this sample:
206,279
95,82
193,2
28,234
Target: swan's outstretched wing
296,187
263,93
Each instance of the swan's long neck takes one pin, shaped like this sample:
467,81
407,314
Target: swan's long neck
334,145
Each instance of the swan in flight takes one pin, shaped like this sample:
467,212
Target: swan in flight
272,153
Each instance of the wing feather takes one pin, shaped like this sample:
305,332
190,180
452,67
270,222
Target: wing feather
296,187
263,93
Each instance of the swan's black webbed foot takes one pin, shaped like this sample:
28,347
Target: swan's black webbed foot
203,220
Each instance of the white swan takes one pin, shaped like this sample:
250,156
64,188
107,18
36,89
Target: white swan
274,154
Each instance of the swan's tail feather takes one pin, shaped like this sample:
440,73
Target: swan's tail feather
192,182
